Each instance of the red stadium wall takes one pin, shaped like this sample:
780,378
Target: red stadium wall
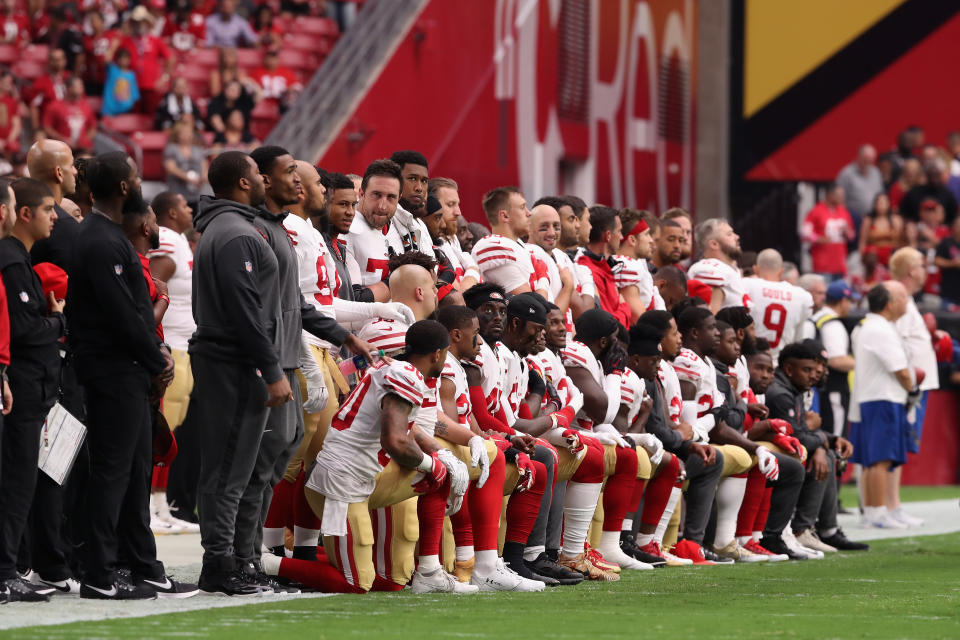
556,96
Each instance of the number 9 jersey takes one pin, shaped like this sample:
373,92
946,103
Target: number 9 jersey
779,311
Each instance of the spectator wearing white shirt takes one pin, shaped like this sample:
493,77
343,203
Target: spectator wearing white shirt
883,378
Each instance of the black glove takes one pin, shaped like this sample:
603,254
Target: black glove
536,384
510,455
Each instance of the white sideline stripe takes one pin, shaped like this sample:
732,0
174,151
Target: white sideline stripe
939,516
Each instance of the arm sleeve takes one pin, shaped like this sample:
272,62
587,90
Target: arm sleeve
486,421
241,302
27,327
324,327
352,313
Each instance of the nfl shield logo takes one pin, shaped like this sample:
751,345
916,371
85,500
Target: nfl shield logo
118,269
248,266
24,297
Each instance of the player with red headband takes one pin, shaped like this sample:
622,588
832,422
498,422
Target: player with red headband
633,279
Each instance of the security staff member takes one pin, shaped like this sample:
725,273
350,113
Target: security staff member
35,367
121,364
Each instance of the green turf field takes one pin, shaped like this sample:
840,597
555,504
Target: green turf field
848,494
906,588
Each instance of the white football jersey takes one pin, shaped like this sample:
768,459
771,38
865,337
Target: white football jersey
584,276
351,457
672,398
577,271
453,371
632,393
515,378
699,371
389,335
316,269
546,276
635,273
366,252
577,354
504,261
718,274
779,311
555,373
178,323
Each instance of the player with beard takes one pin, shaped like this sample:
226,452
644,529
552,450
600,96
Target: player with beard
780,310
445,191
704,406
634,280
669,249
366,253
718,269
684,219
606,234
407,230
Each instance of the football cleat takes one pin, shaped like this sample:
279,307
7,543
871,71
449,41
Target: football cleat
616,554
790,539
463,569
810,540
738,553
546,567
169,588
629,546
754,546
653,548
439,581
778,546
19,590
597,559
582,565
503,579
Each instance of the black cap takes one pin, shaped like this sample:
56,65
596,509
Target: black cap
527,306
433,205
595,324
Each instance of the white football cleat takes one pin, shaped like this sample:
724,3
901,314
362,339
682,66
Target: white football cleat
794,545
502,578
615,554
900,515
439,581
162,510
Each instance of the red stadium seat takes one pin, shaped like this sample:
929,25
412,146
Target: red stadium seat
198,79
315,26
305,42
128,123
264,118
201,57
249,58
36,53
305,62
96,103
29,70
8,53
152,144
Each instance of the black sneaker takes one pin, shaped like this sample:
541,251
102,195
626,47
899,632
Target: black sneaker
170,588
544,566
233,583
775,544
19,590
520,568
840,541
629,546
272,584
119,590
715,558
280,551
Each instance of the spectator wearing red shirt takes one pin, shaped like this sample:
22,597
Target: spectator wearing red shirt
72,120
46,89
99,47
14,24
828,228
278,83
10,124
150,59
186,29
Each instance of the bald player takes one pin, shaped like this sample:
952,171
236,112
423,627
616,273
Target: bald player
543,239
51,162
414,287
779,309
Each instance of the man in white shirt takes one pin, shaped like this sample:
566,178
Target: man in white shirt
544,234
366,256
779,308
907,268
407,231
883,379
718,268
501,257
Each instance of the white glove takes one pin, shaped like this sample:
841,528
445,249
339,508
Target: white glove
396,311
459,479
611,389
767,463
607,434
478,456
317,393
651,443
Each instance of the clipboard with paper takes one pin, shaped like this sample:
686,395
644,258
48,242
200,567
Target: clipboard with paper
60,441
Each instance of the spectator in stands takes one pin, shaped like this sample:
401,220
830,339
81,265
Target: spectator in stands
14,24
228,69
236,135
828,227
267,30
233,98
48,88
185,163
175,105
226,29
927,233
935,187
861,182
64,35
186,29
278,83
911,175
948,261
150,58
72,120
158,11
881,231
99,47
120,92
10,124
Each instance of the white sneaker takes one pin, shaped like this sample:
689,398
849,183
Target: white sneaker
439,581
162,509
794,545
161,528
810,540
900,515
885,520
66,587
738,553
504,579
616,554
